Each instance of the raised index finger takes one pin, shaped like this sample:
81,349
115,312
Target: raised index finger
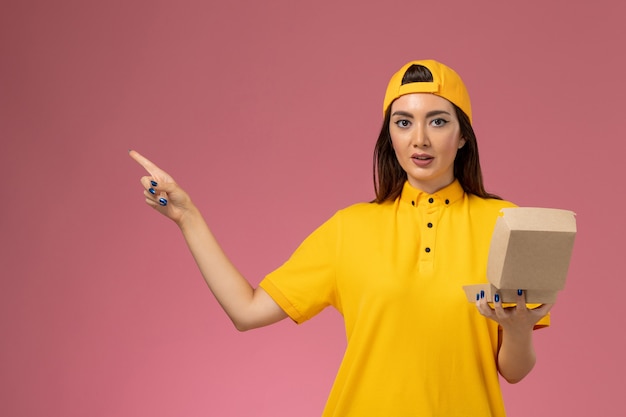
145,163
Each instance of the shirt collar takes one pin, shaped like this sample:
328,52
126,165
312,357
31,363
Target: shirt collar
446,196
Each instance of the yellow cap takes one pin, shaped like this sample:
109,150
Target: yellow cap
446,83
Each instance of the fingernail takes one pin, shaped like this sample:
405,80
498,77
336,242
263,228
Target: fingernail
519,292
154,183
477,296
482,293
151,190
162,201
496,298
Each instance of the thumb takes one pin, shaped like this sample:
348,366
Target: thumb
166,187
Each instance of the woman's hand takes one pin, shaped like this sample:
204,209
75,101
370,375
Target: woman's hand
161,191
516,354
518,318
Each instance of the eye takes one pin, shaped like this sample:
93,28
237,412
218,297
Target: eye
439,122
403,123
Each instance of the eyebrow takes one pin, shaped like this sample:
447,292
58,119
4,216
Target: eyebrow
429,114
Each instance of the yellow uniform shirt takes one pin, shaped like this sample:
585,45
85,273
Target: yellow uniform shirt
395,271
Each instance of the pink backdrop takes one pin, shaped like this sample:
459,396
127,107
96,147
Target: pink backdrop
267,112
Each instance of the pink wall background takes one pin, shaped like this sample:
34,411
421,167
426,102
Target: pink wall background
267,112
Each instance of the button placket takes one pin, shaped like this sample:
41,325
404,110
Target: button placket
430,217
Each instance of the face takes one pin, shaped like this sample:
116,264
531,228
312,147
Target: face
426,135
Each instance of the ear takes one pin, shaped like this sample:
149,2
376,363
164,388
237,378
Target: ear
462,142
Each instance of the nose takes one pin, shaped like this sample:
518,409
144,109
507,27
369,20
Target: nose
420,137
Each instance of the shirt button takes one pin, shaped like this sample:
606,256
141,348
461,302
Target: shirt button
447,201
430,225
413,203
431,200
427,250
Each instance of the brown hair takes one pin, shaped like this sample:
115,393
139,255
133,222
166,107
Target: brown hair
389,177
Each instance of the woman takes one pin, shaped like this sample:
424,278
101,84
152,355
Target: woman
394,268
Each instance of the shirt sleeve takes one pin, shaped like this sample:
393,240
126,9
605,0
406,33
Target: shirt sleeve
306,284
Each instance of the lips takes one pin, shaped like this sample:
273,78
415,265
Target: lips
421,159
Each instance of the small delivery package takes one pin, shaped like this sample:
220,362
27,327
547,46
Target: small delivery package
530,250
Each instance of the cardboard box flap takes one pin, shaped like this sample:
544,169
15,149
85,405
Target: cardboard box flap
539,219
508,296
